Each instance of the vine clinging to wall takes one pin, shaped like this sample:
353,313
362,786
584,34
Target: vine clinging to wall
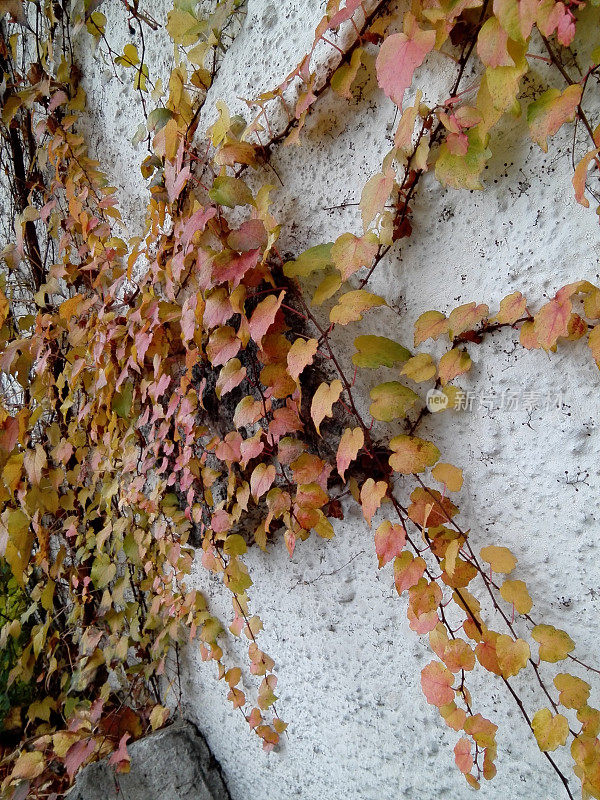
182,387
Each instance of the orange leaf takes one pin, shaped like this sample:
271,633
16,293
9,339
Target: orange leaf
371,495
462,755
323,401
580,177
351,442
450,476
408,570
512,655
412,454
436,681
264,316
389,541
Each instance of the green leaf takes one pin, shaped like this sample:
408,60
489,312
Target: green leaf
463,172
312,260
122,401
103,570
235,545
230,192
378,351
391,400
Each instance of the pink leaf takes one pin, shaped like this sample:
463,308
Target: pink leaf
398,58
264,316
121,758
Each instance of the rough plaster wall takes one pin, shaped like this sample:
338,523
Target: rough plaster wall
347,663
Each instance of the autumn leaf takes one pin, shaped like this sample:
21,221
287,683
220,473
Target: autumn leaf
580,176
450,476
463,171
430,325
491,45
554,644
594,343
228,191
552,320
429,508
351,306
512,655
349,253
231,375
481,729
264,316
34,462
375,195
462,755
500,559
515,592
550,730
344,76
351,442
120,758
390,540
300,355
419,368
391,400
371,494
312,260
436,682
326,289
452,364
378,351
399,56
412,454
262,479
29,765
550,111
466,317
408,570
323,400
512,308
574,692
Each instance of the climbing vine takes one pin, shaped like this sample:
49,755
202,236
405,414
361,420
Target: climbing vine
182,389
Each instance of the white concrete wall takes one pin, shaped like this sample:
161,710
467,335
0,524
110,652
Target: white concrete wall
347,663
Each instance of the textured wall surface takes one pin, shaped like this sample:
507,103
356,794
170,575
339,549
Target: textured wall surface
347,662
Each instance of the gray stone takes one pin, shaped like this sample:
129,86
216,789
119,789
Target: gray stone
171,764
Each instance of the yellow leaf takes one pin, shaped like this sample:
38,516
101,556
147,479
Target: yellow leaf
351,442
420,368
29,766
449,475
554,643
351,306
574,692
323,401
550,731
452,364
512,655
500,559
515,592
